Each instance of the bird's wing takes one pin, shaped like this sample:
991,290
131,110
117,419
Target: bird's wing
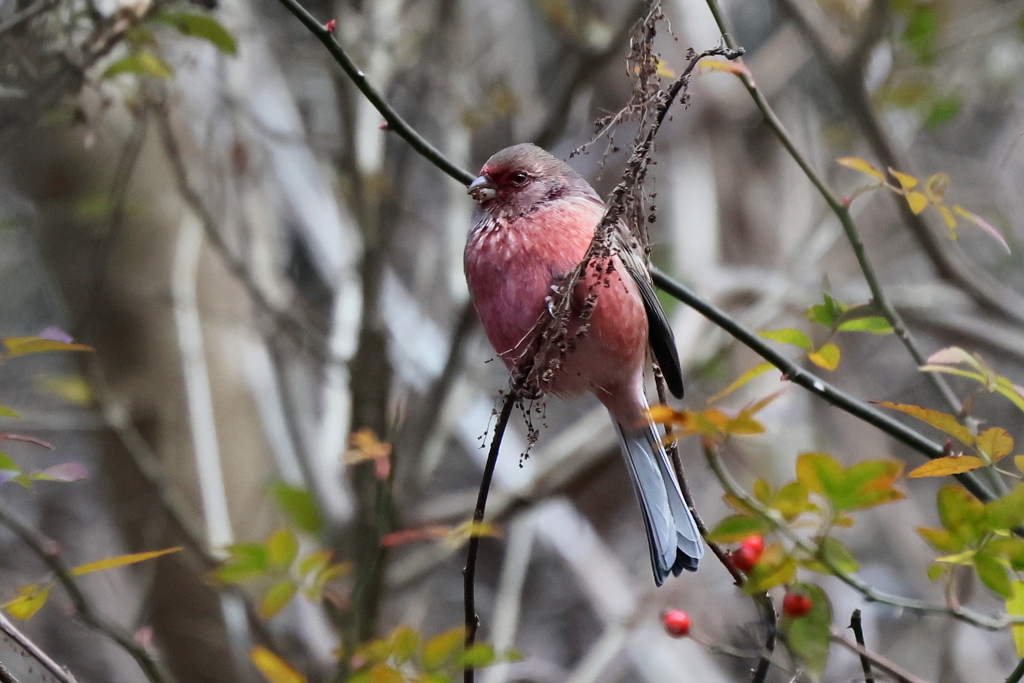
659,332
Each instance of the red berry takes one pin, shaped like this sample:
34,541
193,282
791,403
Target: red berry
677,623
329,26
755,543
747,555
796,605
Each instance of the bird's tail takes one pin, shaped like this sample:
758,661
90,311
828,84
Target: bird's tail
672,534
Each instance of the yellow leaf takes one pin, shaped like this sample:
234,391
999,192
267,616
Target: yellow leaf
1015,608
28,602
71,388
729,66
826,357
661,414
905,180
276,597
995,443
1018,460
941,467
119,561
858,164
943,421
935,187
741,380
273,668
917,202
983,224
947,216
365,446
665,71
19,346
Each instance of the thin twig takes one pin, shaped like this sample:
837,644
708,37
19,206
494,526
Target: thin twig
867,591
858,634
894,670
153,671
469,572
801,377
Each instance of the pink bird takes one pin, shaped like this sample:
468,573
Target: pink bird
534,220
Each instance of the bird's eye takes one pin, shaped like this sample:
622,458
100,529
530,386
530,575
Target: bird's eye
519,178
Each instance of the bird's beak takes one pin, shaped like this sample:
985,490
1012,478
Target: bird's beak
481,189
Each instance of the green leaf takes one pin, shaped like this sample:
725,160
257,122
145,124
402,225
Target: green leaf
943,111
791,501
1015,608
810,636
819,473
299,507
276,597
282,548
7,464
838,555
1006,512
936,571
477,656
826,313
142,63
941,539
992,574
921,32
960,513
7,412
789,336
404,642
315,562
119,561
762,491
201,26
245,561
873,324
826,357
442,647
941,421
737,527
28,602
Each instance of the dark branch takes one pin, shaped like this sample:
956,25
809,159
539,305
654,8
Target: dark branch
858,634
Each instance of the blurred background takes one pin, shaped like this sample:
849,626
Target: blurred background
264,270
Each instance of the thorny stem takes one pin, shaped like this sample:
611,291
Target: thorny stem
84,610
469,572
856,583
842,212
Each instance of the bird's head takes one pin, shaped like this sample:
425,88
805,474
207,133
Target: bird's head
520,178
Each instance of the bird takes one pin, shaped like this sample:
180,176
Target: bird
533,222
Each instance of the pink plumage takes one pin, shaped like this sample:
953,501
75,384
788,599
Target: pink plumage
534,221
